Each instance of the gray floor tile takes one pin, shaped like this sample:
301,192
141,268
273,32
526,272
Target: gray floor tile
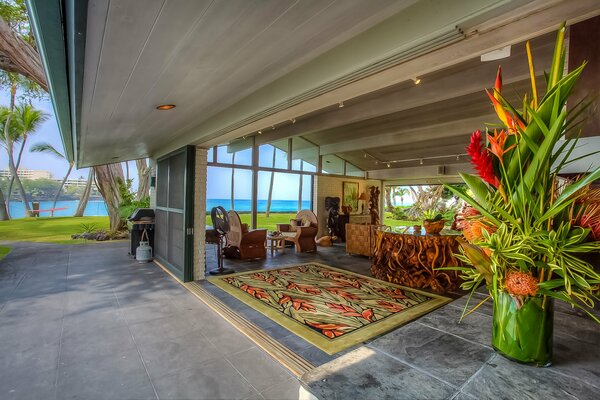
367,374
577,359
215,380
286,390
445,356
184,352
108,377
475,326
156,330
261,378
504,379
26,382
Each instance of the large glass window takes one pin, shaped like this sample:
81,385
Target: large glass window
221,183
274,155
305,155
352,170
280,196
332,165
238,152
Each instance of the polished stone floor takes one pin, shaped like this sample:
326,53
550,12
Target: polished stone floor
436,357
87,322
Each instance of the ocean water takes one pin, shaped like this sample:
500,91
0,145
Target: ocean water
245,205
98,207
93,208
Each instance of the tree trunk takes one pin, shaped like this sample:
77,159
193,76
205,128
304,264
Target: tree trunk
270,196
16,55
62,184
18,164
143,179
388,200
106,181
13,169
3,210
85,196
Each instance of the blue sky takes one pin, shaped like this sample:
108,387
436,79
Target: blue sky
49,133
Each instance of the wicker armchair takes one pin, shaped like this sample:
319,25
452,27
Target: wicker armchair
301,231
250,243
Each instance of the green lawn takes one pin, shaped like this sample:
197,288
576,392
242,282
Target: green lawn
48,230
4,251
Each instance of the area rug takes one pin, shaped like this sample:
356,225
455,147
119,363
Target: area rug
329,307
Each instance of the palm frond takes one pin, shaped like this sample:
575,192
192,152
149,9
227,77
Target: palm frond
47,148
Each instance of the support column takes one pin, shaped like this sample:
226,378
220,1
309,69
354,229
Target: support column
152,189
200,213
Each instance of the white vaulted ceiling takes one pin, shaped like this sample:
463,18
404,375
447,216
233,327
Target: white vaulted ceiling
201,55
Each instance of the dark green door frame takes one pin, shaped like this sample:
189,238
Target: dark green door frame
183,272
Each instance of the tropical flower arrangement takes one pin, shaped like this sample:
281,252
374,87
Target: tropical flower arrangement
528,231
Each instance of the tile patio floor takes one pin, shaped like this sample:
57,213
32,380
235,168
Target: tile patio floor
86,322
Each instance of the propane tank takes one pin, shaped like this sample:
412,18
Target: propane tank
143,253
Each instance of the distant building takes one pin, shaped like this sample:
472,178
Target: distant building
25,173
74,182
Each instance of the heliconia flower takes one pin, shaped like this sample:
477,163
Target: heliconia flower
521,284
481,160
497,143
504,115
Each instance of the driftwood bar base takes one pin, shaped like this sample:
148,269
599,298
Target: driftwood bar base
412,260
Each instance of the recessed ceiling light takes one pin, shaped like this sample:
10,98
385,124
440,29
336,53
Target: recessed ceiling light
164,107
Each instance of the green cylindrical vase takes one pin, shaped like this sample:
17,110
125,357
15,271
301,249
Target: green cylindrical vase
523,334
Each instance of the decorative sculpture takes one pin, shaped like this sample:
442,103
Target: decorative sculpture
415,260
332,205
374,204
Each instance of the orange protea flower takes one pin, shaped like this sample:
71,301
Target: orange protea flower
472,230
498,143
521,284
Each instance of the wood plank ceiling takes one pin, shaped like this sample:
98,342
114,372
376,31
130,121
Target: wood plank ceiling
202,55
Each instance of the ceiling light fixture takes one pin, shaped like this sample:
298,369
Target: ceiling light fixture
293,120
165,107
498,54
272,127
388,165
260,132
457,157
416,80
244,137
341,104
421,161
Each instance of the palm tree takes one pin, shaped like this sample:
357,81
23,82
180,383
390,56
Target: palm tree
12,132
85,196
401,192
28,120
49,149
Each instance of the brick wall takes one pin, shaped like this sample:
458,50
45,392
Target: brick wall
329,186
200,213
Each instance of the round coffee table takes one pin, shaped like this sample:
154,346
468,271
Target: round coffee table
276,243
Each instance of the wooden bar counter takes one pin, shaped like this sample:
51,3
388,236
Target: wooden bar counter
411,259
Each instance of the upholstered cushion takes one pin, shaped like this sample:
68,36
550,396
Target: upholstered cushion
293,225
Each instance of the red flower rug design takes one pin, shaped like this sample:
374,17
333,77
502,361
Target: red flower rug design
331,308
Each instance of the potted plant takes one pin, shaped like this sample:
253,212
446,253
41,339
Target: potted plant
433,222
529,230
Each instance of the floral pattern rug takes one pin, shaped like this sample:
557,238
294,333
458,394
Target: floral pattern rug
331,308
